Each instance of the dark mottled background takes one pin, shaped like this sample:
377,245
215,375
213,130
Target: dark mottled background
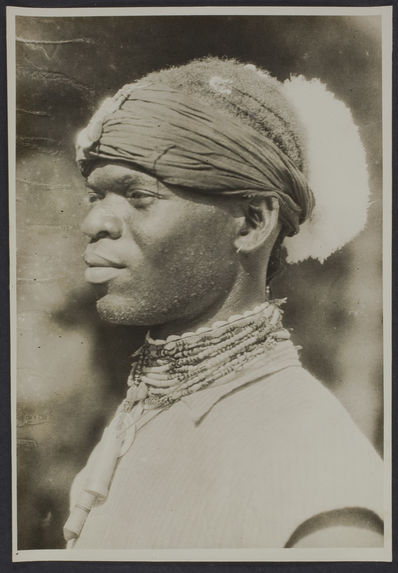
71,367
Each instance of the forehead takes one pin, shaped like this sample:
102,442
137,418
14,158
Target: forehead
116,177
119,177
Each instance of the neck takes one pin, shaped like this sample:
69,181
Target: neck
163,371
239,300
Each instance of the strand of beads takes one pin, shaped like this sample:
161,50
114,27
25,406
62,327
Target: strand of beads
164,372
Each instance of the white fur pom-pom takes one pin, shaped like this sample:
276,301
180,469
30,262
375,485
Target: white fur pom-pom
337,172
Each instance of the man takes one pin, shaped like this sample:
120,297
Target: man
199,178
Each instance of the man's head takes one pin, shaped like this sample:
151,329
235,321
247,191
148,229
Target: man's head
189,170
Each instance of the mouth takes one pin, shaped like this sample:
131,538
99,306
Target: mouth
99,275
101,269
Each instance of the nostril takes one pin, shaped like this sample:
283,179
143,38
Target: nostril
101,235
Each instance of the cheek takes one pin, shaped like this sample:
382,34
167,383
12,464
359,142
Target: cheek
185,234
176,268
187,244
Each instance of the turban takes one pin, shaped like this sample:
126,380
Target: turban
188,144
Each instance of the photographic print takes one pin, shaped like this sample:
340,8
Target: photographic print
200,204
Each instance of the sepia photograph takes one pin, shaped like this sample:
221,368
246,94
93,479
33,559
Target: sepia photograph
200,277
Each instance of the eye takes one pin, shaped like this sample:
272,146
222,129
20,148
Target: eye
136,194
139,197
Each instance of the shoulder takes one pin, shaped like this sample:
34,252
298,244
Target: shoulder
297,406
305,452
302,418
291,416
290,404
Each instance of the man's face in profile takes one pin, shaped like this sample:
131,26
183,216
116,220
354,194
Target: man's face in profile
160,254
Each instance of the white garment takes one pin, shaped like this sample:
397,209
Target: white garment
240,465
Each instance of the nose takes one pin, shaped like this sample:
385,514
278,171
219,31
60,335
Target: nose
102,222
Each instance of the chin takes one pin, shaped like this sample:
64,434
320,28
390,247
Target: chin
117,310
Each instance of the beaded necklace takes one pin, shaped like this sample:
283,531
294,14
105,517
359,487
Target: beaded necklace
163,371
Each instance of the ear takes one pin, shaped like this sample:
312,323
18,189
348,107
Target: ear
260,222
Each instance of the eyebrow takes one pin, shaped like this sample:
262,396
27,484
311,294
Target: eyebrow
122,183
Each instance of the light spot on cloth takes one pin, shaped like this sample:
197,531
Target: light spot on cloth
219,85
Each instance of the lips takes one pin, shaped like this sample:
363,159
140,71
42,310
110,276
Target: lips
101,268
98,275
